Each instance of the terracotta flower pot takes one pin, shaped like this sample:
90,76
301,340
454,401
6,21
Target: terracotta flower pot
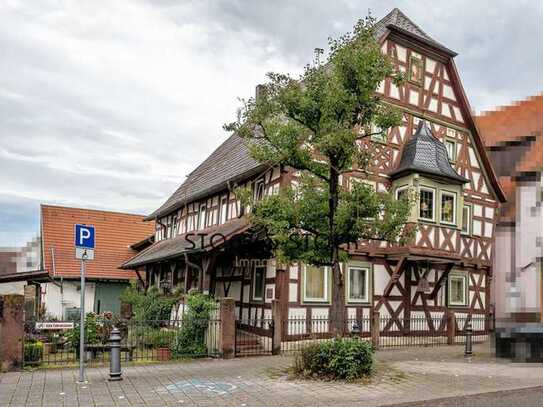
164,354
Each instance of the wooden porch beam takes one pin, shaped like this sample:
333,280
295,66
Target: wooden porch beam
439,283
394,277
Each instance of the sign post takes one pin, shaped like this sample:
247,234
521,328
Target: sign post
84,250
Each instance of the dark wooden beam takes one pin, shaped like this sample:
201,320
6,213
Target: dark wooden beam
439,283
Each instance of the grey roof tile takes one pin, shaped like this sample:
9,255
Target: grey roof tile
424,153
398,20
175,247
228,162
231,161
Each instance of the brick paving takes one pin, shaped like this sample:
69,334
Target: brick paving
402,376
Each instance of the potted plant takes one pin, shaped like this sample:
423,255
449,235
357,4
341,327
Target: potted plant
162,345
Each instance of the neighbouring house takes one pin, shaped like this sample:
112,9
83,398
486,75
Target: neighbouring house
203,239
514,140
115,233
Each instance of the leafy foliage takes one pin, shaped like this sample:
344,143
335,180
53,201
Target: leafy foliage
91,332
150,306
33,352
316,125
344,359
191,337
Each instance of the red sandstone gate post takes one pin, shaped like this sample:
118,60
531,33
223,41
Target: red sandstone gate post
451,327
227,310
11,331
374,328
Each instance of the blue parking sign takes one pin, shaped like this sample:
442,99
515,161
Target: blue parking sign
84,236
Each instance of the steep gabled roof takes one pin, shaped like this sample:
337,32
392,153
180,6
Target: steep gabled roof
425,154
231,161
397,20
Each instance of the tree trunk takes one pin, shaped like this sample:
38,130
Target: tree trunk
338,287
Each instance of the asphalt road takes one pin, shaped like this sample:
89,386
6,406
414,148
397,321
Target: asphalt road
518,398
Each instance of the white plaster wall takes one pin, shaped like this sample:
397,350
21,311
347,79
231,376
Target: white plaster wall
56,303
12,288
529,233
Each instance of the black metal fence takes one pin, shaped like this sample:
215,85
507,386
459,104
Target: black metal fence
142,341
254,337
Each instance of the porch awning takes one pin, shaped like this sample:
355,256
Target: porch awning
37,275
202,240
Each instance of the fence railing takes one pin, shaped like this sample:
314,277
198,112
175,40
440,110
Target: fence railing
392,332
142,341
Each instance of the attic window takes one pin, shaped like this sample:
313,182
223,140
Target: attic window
416,69
450,145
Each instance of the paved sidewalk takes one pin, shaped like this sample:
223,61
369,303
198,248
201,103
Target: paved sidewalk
406,375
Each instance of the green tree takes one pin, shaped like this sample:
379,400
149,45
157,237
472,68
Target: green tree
315,125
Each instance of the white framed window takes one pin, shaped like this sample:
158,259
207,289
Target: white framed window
259,279
315,283
202,217
458,290
259,190
448,207
224,210
466,220
358,284
450,146
427,203
402,192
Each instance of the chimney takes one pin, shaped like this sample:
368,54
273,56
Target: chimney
259,91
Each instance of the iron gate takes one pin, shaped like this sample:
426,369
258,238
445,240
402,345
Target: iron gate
254,337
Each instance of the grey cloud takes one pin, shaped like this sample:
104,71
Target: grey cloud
110,104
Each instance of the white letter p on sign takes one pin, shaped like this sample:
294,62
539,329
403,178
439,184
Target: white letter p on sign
84,234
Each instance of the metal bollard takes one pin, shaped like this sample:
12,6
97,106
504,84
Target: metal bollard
115,356
468,344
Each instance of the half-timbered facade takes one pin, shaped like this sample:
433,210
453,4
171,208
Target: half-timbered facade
203,239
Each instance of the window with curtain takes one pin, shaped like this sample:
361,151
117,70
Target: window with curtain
358,284
426,202
458,290
315,283
448,207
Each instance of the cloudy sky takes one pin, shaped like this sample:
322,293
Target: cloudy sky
109,104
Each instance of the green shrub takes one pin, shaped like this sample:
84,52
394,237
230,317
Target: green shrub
342,358
159,338
33,352
190,340
150,306
91,332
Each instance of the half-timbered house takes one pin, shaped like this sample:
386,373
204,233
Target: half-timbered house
203,239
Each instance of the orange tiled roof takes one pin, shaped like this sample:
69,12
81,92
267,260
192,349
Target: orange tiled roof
515,123
115,232
511,122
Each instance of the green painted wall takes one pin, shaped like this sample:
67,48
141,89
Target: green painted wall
106,297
